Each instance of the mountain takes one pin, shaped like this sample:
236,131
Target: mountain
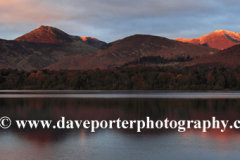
220,39
47,34
132,48
225,58
40,48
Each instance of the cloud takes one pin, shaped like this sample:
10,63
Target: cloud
113,19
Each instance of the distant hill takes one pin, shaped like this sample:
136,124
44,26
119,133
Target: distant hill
131,48
91,41
220,39
225,58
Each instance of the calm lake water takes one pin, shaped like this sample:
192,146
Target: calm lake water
119,144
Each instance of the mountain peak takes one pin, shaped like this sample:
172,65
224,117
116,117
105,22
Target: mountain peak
42,26
46,34
52,35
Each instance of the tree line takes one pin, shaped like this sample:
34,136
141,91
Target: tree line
123,78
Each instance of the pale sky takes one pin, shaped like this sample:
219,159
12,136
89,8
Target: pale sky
109,20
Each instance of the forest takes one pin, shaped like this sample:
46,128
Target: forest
123,78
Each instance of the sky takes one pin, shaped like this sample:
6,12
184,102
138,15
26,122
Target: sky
109,20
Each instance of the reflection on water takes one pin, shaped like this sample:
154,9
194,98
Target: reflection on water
118,144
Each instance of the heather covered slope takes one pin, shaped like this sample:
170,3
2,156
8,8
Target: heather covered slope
131,48
220,39
226,58
28,55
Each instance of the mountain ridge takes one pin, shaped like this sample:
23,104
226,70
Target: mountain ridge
131,48
51,48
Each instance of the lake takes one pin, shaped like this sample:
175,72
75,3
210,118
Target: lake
119,144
